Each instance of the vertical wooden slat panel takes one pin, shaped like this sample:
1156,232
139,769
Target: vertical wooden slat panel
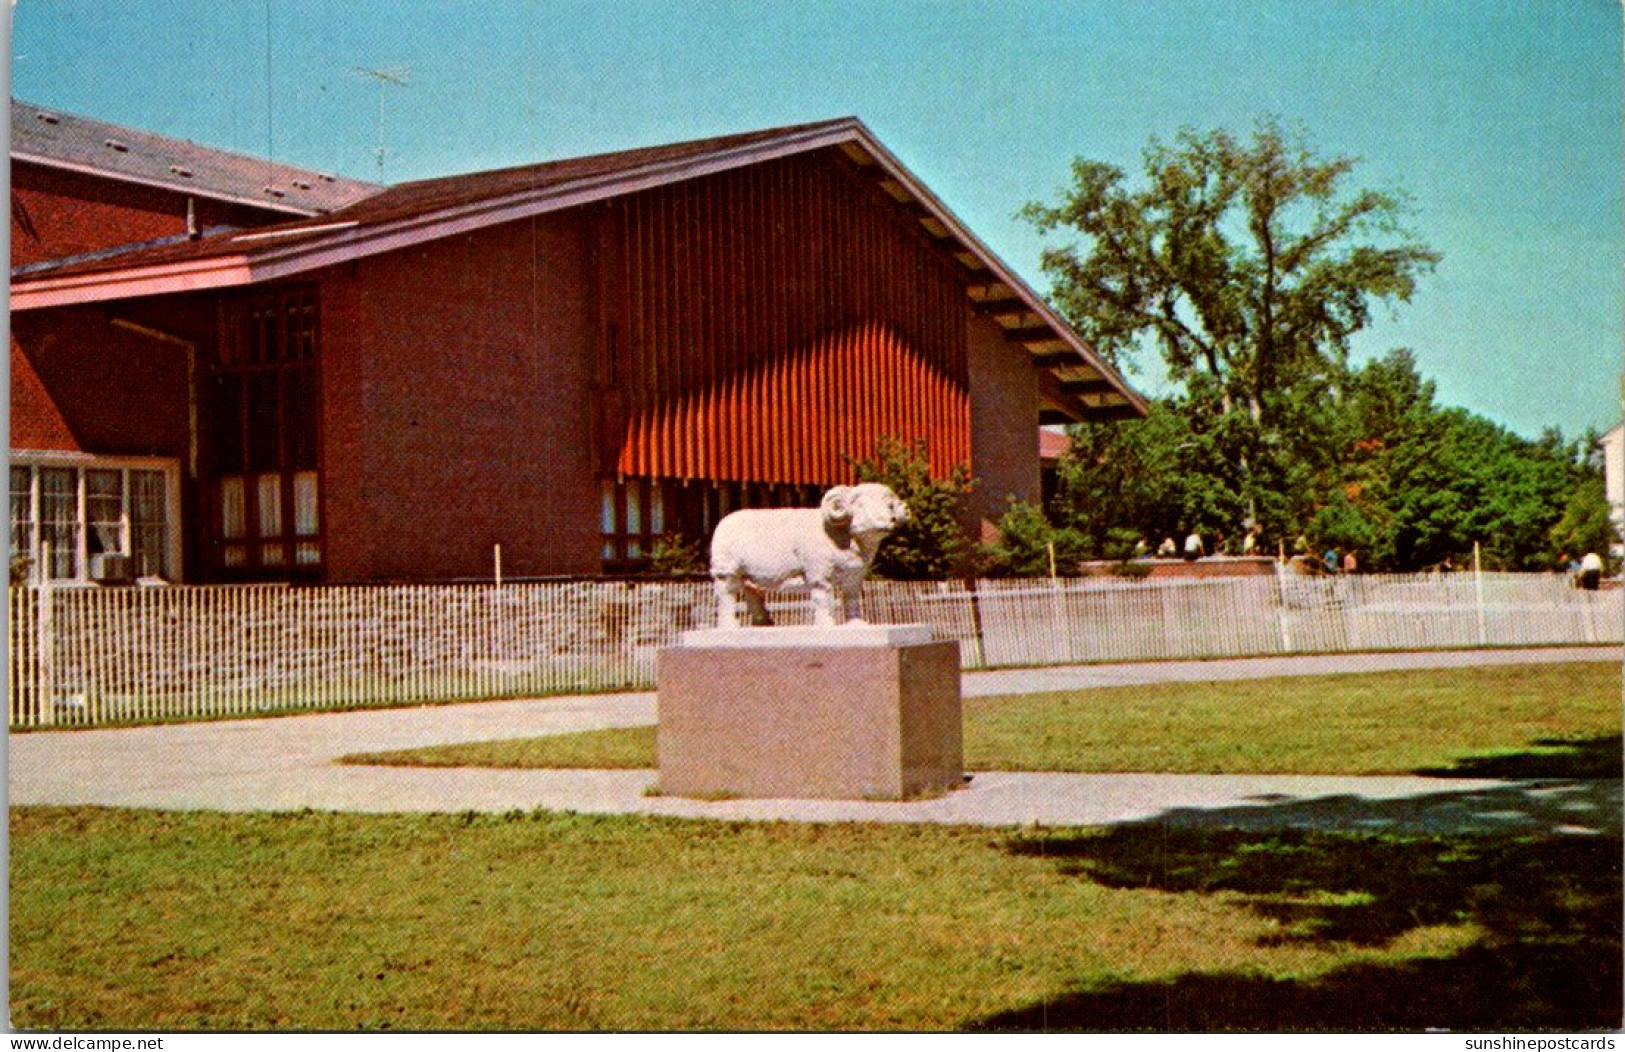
777,318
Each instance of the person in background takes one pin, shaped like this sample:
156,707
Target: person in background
1167,549
1330,559
1590,571
1350,563
1193,547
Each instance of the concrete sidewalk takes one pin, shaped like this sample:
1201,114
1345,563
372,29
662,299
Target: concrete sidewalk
288,763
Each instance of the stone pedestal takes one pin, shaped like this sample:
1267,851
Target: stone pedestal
848,713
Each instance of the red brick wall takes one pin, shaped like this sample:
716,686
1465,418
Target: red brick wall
117,392
56,213
36,422
456,416
1004,425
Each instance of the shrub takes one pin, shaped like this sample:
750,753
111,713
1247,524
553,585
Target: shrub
931,544
1028,542
676,556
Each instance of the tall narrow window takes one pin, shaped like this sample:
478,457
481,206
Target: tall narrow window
149,523
263,423
59,522
22,512
104,512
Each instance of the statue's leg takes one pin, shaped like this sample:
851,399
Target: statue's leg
756,604
852,604
727,589
823,599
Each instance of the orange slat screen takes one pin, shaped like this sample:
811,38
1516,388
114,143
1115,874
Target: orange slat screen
762,323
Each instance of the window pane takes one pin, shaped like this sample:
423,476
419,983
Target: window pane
634,508
149,524
307,553
233,510
264,333
264,422
104,510
269,492
59,519
607,514
150,550
299,416
228,423
148,498
271,554
22,527
233,555
657,508
302,327
305,507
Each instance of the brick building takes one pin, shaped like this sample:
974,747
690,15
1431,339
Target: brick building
569,359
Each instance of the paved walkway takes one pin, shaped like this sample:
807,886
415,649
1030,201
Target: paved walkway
289,764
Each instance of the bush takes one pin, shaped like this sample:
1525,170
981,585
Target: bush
1029,545
931,544
675,556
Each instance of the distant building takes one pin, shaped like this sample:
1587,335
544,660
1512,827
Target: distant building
570,359
1053,447
1613,467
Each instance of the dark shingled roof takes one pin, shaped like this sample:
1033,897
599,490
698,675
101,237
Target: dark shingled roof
51,137
408,201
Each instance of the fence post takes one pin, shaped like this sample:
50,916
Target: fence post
1280,589
1478,590
45,641
976,622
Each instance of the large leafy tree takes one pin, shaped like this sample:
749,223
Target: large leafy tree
1248,265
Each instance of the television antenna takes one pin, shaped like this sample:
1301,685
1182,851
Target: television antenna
398,76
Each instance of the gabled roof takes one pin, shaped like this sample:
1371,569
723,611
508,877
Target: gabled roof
49,137
1075,382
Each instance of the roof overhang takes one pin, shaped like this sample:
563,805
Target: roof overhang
1076,384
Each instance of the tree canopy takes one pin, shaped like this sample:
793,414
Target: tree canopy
1404,481
1248,266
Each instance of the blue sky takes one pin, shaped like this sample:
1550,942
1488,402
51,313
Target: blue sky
1502,121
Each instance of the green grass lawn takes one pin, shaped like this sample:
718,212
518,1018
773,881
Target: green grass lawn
131,920
135,920
1565,719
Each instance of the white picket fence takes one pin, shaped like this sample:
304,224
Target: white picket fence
90,657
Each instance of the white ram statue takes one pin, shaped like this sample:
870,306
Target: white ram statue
828,548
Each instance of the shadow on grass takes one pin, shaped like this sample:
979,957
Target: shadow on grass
1548,908
1601,756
